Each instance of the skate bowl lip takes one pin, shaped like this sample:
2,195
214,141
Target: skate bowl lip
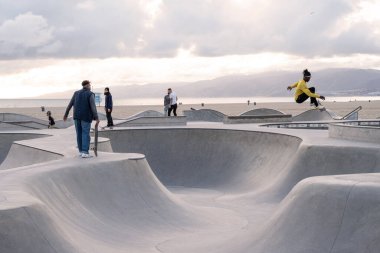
361,130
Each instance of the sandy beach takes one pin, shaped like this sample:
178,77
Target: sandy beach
371,110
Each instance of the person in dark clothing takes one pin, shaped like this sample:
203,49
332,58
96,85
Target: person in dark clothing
108,106
84,112
51,120
167,104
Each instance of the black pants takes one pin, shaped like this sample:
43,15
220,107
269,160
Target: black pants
109,118
303,97
174,109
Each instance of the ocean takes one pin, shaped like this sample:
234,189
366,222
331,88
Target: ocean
21,103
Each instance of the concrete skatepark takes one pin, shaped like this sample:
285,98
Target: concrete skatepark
200,187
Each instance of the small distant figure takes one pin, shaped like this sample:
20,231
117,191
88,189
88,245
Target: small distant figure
203,104
42,108
254,103
51,120
108,105
84,112
303,92
166,104
248,102
173,102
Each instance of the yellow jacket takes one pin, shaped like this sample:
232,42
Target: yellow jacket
301,87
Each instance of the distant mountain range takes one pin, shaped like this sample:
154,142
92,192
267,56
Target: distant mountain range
329,82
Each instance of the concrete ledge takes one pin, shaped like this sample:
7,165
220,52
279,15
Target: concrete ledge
320,125
154,121
257,119
370,132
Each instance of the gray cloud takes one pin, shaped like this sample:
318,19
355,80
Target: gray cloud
102,28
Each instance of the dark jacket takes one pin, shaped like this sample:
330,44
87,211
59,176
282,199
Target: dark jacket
108,102
84,105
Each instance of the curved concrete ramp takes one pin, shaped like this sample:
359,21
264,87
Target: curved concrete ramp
263,162
316,115
21,155
22,122
8,138
111,205
204,115
262,112
147,113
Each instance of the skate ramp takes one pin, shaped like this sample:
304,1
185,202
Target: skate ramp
8,138
204,115
21,155
115,204
262,112
208,158
316,115
240,161
21,122
147,113
321,214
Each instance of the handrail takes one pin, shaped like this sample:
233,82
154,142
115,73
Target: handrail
352,112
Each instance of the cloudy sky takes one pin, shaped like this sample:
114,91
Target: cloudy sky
49,46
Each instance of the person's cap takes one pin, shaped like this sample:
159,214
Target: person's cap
85,82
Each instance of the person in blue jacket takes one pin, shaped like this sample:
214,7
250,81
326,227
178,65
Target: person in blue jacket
84,113
108,106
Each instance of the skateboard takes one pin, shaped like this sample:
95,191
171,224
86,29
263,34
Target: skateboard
96,141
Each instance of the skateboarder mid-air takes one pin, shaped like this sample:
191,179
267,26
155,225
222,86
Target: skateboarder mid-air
303,92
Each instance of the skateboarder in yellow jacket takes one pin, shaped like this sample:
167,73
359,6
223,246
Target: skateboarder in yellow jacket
303,92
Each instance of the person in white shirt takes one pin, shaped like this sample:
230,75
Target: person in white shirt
173,102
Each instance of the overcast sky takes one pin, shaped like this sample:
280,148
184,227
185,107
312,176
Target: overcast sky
48,46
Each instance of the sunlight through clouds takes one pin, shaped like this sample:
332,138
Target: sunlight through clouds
127,42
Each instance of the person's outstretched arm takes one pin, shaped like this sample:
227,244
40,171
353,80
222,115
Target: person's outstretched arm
292,86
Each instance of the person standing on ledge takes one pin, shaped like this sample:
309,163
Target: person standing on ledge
108,106
84,112
173,102
303,92
166,104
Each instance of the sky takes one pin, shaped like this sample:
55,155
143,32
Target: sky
51,46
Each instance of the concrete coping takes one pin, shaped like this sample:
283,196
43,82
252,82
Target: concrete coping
367,131
324,125
154,121
257,119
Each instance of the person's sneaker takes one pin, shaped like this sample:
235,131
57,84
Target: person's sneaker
321,107
80,154
84,155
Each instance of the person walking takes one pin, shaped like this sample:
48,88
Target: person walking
108,106
173,102
84,112
166,104
302,92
